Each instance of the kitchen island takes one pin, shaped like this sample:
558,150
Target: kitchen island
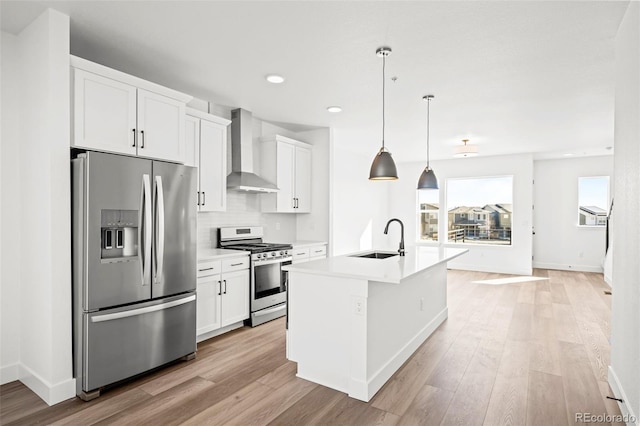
353,321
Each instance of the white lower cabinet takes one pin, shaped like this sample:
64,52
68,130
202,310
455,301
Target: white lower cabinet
222,295
309,253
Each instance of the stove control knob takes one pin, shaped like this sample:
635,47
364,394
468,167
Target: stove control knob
286,252
273,253
258,256
281,253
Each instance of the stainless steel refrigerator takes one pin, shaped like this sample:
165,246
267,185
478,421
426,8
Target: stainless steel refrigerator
134,267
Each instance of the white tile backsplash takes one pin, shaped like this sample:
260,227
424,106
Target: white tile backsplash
244,209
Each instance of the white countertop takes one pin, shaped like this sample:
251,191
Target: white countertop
210,254
305,243
390,270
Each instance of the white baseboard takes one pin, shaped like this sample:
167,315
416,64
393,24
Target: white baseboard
506,269
204,336
51,394
608,280
9,373
380,377
618,392
563,267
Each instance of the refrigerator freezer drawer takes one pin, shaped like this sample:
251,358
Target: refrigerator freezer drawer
121,343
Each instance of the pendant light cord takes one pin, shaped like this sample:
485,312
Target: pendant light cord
428,104
384,60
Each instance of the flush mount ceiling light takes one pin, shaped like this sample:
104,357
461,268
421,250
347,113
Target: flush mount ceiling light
465,150
383,167
428,178
275,78
334,108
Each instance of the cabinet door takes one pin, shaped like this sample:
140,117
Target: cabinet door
208,308
235,297
192,142
303,180
161,127
285,158
213,167
104,114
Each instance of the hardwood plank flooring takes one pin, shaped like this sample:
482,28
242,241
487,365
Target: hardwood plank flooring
533,353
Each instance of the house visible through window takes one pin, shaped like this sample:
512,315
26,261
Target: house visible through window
593,200
480,210
428,210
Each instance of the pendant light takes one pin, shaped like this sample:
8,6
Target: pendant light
383,167
428,178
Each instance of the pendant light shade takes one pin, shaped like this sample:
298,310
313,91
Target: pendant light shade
428,178
383,166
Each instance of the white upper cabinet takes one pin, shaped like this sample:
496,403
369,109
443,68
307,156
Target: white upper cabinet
207,149
161,127
116,112
104,114
287,162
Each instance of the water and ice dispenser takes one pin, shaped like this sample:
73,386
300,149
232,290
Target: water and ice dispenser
119,234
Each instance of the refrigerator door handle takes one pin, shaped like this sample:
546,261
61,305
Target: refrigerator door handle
159,237
140,311
144,234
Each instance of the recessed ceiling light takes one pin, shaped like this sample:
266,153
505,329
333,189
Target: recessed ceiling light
275,78
334,108
569,154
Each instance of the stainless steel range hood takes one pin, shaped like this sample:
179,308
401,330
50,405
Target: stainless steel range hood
242,177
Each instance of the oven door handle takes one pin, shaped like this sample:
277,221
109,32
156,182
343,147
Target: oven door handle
271,262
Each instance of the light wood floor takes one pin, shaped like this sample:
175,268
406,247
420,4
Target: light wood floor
532,353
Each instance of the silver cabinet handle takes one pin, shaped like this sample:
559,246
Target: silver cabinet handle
134,138
293,203
225,286
204,198
141,311
142,137
205,269
159,229
236,264
220,287
198,198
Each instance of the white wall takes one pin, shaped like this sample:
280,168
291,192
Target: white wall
559,243
359,206
44,317
514,259
10,240
314,226
624,374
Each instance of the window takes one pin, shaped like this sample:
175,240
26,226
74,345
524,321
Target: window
593,200
428,210
480,210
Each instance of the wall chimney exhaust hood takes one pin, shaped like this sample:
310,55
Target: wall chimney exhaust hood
242,177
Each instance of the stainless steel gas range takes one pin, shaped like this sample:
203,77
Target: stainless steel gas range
268,280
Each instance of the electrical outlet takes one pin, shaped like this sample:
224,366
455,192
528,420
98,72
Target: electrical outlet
422,303
359,306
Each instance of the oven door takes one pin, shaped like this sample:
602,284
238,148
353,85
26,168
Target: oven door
268,284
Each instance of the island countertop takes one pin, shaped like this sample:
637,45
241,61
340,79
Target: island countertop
390,270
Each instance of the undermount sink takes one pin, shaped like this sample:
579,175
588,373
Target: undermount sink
376,255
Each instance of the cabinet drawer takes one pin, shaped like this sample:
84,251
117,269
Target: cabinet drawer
212,267
235,264
301,253
318,251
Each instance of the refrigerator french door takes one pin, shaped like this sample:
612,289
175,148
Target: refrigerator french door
134,267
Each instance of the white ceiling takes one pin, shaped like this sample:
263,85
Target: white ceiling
512,77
